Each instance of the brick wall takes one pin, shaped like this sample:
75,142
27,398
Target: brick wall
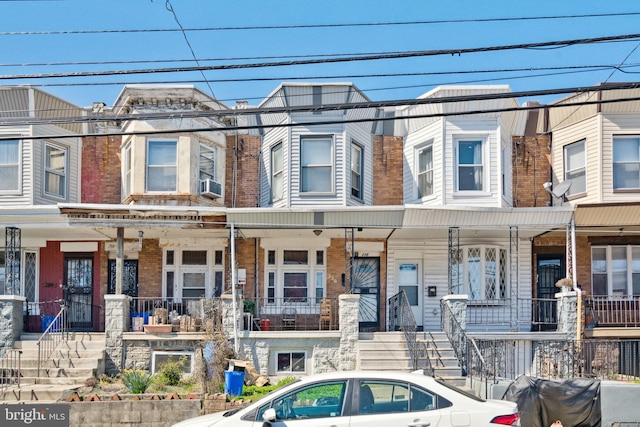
531,157
101,177
150,269
247,171
388,164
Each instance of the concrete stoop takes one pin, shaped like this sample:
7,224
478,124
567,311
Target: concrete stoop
443,358
73,361
383,351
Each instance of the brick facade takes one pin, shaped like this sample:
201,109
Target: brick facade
101,175
530,169
388,161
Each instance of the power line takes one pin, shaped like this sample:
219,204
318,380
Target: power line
400,55
306,26
316,123
318,108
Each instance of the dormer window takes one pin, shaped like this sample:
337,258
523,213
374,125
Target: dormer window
316,164
162,166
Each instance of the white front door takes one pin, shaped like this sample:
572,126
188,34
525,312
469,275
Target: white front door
410,281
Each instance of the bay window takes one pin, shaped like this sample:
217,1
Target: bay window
162,166
626,163
575,167
55,171
356,170
425,171
10,165
470,165
483,272
316,164
277,183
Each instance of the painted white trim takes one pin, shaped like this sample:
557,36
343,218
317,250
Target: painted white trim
78,246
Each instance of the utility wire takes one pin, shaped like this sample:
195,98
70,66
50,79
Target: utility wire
409,54
305,26
320,123
319,108
186,39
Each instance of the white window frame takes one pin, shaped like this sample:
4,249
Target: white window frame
155,366
212,161
179,270
505,169
609,271
150,182
126,171
277,354
623,160
357,171
577,173
4,164
427,172
465,270
277,172
311,164
48,171
275,273
483,165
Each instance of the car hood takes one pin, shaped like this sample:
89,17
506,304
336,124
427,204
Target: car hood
202,421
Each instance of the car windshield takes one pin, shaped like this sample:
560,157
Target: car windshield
459,390
251,415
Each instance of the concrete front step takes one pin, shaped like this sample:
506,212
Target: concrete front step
72,374
40,393
385,350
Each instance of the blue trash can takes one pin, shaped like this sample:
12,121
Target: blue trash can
46,321
233,383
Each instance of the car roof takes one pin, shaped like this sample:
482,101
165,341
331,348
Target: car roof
390,375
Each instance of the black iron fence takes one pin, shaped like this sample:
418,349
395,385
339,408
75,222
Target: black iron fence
301,314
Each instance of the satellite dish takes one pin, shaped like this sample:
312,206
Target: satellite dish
561,189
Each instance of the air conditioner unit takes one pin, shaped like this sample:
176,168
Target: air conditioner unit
210,188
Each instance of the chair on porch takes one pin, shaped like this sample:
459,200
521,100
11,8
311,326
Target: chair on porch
326,315
289,318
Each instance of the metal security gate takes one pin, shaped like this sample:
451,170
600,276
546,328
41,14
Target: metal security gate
366,283
550,269
78,292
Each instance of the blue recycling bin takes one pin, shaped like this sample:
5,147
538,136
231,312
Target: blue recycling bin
46,321
233,383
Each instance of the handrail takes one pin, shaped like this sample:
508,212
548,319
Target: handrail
55,333
9,370
401,318
459,341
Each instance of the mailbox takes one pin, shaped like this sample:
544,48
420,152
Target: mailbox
431,291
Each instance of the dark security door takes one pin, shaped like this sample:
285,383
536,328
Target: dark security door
550,269
78,292
366,283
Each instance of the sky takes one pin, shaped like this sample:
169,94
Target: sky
76,36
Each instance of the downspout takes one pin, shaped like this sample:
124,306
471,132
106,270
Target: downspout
236,345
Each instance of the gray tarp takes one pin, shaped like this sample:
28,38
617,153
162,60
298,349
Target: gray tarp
575,402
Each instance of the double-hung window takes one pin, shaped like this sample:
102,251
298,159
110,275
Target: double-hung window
575,167
356,170
425,171
9,165
470,164
626,163
162,166
295,276
277,183
615,270
55,171
316,164
207,163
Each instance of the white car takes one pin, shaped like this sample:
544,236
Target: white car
366,398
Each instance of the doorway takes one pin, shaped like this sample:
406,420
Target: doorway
78,292
550,269
366,283
409,280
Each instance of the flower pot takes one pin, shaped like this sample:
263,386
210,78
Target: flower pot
157,329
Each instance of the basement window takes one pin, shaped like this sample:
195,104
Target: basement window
158,358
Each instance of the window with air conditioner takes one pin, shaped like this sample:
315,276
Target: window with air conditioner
209,186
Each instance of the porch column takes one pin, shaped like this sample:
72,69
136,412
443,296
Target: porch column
228,316
349,325
567,304
116,323
11,320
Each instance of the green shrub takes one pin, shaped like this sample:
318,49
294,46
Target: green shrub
170,372
136,380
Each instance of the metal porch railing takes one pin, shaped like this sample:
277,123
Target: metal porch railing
9,370
401,318
53,335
